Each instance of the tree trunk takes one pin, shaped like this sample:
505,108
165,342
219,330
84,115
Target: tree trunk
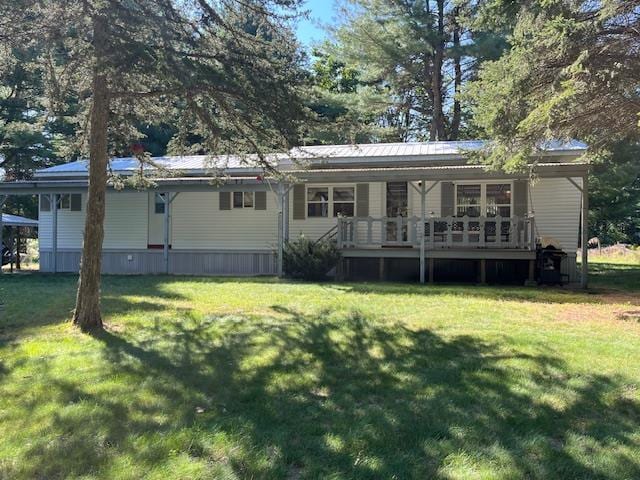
457,79
438,125
87,314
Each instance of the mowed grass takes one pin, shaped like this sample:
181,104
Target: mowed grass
231,378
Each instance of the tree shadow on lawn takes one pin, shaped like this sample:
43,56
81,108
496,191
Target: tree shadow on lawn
319,396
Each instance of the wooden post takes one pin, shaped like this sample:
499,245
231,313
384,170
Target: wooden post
584,281
54,232
483,271
431,269
532,272
381,273
423,216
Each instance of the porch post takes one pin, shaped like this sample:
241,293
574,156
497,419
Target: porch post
2,200
584,281
54,232
166,228
423,217
281,228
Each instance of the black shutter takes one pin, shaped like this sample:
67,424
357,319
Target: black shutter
520,198
299,202
45,202
76,202
362,200
260,201
225,200
447,199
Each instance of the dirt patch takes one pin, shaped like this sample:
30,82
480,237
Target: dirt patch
630,315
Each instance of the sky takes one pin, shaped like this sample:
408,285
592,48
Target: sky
320,12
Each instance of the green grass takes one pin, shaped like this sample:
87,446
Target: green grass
211,378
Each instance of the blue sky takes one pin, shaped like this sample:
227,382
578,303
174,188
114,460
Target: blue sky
320,12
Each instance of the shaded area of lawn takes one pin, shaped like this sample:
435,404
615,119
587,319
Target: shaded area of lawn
209,378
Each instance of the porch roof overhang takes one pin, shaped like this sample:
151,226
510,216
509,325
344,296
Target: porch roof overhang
196,184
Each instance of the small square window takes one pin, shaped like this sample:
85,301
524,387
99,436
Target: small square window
65,201
318,202
159,206
242,199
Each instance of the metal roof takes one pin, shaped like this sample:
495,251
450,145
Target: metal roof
376,153
16,221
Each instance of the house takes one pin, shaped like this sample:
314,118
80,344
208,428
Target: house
396,211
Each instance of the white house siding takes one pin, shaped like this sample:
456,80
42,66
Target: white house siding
156,222
432,203
70,228
199,224
125,224
556,206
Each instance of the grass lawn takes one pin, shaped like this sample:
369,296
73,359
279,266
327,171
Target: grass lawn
230,378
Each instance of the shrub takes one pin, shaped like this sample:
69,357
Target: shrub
309,260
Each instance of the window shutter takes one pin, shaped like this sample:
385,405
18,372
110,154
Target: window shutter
299,202
45,202
362,200
76,202
225,200
520,198
447,202
260,201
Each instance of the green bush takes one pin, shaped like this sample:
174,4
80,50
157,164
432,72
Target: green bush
309,260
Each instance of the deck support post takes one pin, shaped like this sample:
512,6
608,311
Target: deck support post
532,272
381,272
423,217
3,198
483,271
54,231
432,262
584,281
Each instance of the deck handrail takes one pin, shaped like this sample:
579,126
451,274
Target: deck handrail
437,232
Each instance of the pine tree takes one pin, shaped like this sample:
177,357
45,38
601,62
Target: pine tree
422,52
231,66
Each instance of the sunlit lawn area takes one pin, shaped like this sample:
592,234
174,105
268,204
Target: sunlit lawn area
227,378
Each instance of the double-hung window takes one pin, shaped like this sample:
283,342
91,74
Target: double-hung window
318,202
331,201
242,199
483,199
344,201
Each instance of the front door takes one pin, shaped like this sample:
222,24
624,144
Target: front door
397,212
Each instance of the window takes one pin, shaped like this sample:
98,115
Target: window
242,199
468,200
499,200
343,201
64,202
318,202
488,200
159,207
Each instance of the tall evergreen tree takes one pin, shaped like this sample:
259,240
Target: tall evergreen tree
238,85
422,51
573,71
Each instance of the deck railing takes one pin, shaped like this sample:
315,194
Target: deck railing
437,232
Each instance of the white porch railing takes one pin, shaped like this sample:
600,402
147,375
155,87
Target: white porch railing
439,232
